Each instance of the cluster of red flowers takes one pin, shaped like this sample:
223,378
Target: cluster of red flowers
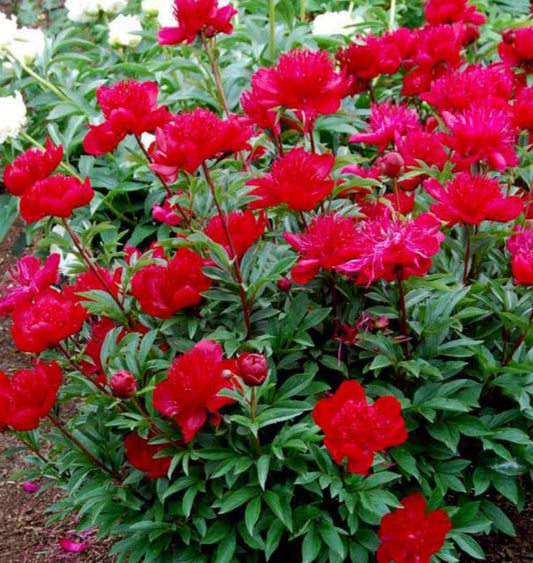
28,396
42,195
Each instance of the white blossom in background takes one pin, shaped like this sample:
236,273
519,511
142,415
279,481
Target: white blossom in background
150,7
112,7
120,31
8,29
12,116
83,11
334,23
165,16
27,44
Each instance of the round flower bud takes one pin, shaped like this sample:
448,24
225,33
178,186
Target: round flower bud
123,384
284,284
392,164
253,368
381,322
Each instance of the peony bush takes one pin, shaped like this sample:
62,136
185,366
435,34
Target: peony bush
280,301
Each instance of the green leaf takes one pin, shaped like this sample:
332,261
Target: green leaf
252,513
311,545
226,549
468,545
280,507
263,464
333,540
236,499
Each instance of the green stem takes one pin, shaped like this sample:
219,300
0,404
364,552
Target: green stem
302,10
467,253
272,22
392,14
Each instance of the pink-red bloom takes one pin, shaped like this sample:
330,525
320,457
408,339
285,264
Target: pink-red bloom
244,229
32,393
523,109
26,279
410,535
194,17
123,384
355,430
329,241
191,138
5,402
481,134
32,166
458,90
253,368
520,245
516,49
163,289
166,213
262,116
390,247
92,367
56,196
43,323
299,179
191,388
302,80
388,122
141,454
129,108
470,199
89,281
452,11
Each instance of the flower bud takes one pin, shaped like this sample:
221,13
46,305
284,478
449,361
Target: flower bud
123,384
509,35
227,374
381,322
392,164
253,368
284,284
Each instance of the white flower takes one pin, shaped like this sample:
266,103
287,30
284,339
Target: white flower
82,11
165,17
150,7
113,6
334,23
12,116
27,44
120,31
8,29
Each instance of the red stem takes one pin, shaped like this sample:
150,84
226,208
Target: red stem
234,257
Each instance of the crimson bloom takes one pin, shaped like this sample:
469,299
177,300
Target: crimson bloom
166,213
472,198
56,196
244,229
390,247
520,245
43,323
301,80
298,178
452,11
191,138
129,108
163,289
409,534
253,368
32,166
263,117
329,241
516,49
140,453
458,90
92,366
356,430
197,16
89,281
388,121
26,279
5,401
523,109
32,394
481,134
190,390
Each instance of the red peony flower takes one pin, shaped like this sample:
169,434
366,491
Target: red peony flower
388,122
419,146
263,117
389,247
299,179
471,199
516,49
129,108
244,229
89,281
520,245
409,534
481,134
162,290
92,366
43,323
197,16
26,279
5,400
356,430
191,138
166,214
192,385
329,241
458,90
302,80
253,368
32,166
140,453
123,384
452,11
435,51
32,394
372,56
523,109
56,196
